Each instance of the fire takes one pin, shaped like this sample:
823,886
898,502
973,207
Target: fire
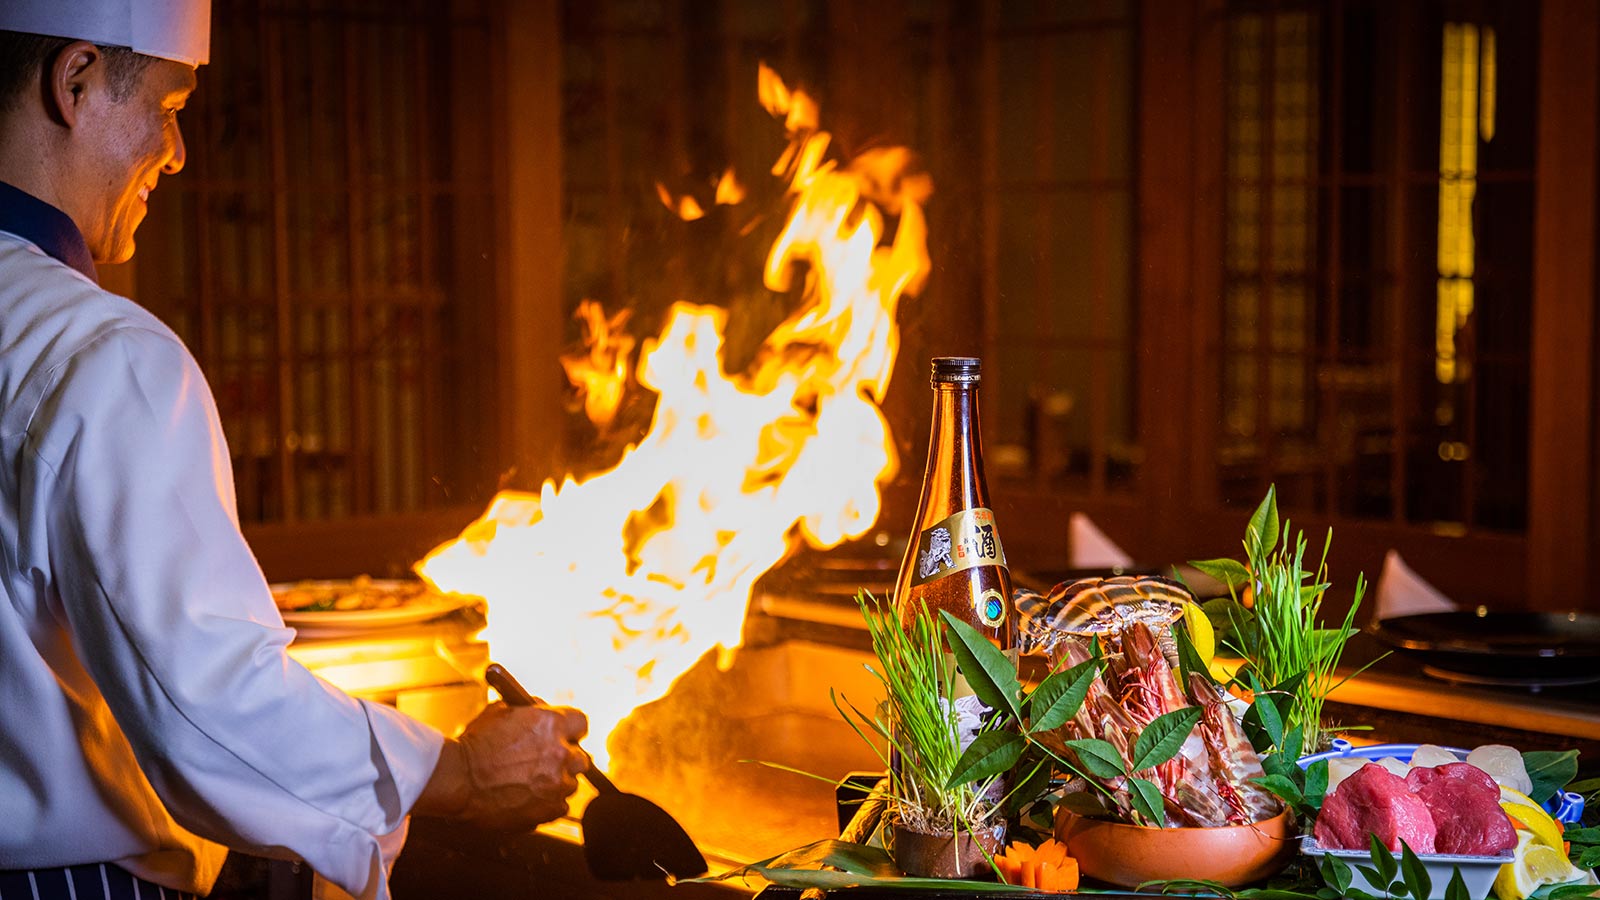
600,373
725,191
602,592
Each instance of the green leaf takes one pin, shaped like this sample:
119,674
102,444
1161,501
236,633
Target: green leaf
1058,698
1185,886
1590,858
1163,736
863,866
1283,786
1457,888
1098,757
1041,818
1384,861
1570,891
1263,723
1316,783
1292,742
1231,573
1585,786
1372,875
1278,763
1308,594
1261,535
1590,835
1415,874
990,754
1084,803
1550,771
1283,692
1336,873
1032,786
1189,662
855,859
1226,615
825,879
1147,800
992,676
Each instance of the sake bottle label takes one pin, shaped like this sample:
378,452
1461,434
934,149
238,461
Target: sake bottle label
963,541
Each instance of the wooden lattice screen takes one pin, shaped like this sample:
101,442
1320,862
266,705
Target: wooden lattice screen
328,253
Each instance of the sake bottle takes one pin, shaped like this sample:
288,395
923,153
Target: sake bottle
954,559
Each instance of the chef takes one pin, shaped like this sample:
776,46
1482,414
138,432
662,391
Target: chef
150,718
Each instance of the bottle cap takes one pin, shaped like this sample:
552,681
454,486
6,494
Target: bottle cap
956,369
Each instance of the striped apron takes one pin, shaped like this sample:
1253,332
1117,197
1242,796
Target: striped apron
89,881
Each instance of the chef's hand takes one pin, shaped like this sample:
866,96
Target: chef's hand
513,767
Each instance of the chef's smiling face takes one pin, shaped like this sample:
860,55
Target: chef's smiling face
133,142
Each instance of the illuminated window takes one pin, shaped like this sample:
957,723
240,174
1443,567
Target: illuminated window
1378,225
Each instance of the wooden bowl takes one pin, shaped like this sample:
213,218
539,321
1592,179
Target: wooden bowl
1129,855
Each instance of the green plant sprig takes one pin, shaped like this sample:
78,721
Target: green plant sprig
919,682
1284,636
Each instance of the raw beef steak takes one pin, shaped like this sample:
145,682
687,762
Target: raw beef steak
1465,805
1375,801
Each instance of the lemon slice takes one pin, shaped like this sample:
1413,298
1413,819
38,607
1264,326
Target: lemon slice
1201,634
1512,795
1535,866
1525,814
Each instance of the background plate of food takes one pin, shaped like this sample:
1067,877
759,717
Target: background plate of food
363,602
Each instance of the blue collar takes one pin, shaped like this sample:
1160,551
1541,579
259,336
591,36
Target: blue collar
48,228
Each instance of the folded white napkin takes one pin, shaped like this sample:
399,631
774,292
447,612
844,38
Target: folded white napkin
1402,592
1089,548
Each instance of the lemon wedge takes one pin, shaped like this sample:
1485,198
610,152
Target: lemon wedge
1201,634
1526,814
1535,866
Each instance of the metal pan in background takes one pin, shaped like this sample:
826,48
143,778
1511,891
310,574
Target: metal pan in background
1529,649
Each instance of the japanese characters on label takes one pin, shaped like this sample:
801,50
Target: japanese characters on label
963,541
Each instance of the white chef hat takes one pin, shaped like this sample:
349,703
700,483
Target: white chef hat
179,30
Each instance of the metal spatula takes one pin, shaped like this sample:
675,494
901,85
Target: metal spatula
625,836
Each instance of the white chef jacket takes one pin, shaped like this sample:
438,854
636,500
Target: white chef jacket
148,711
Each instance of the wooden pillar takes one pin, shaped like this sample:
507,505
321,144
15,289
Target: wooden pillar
1168,129
1562,460
1198,484
533,315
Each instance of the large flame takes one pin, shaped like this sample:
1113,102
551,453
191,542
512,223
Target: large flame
602,592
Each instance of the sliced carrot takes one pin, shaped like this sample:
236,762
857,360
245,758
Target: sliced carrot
1046,867
1069,875
1053,850
1007,868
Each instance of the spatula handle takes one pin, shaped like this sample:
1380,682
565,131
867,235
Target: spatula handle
510,689
515,694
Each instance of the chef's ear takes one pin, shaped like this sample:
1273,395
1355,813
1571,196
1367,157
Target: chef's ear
76,69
